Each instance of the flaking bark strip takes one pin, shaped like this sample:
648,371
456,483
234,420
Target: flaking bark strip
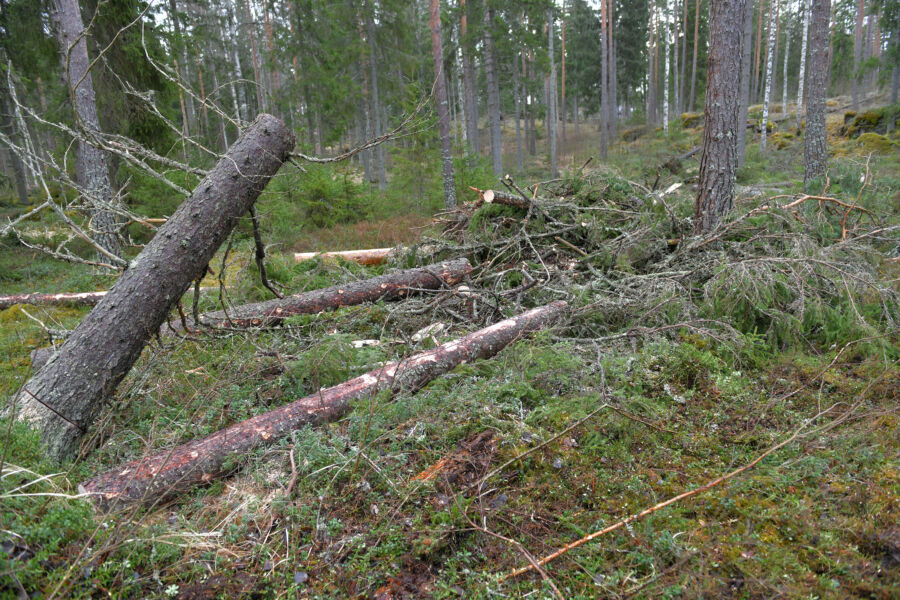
166,474
65,396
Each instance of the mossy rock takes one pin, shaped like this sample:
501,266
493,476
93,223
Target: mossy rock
874,142
689,120
782,140
634,133
878,120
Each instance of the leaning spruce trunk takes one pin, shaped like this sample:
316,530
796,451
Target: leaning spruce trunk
163,475
65,396
715,195
815,158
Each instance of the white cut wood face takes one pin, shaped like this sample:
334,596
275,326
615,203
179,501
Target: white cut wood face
672,188
432,330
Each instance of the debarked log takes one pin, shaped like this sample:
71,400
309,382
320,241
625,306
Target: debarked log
163,475
64,397
61,299
390,286
370,256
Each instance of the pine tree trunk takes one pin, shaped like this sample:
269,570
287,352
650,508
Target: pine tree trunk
613,93
469,81
801,79
746,59
66,395
816,152
493,84
666,70
440,97
182,54
520,160
551,106
857,52
715,196
257,82
676,82
604,82
376,102
769,74
757,66
91,166
691,104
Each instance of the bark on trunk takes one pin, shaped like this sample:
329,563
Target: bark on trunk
770,59
815,152
440,96
162,476
18,167
757,57
801,80
257,83
520,160
62,299
376,101
604,83
65,396
684,4
666,72
746,55
471,108
787,55
493,84
696,46
715,195
91,167
551,97
857,51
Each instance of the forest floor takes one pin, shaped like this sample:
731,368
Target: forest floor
682,360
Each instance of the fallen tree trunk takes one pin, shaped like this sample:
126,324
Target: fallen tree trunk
501,197
163,475
390,286
64,397
372,256
62,299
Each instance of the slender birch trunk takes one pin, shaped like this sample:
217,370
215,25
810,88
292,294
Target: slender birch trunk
769,74
787,54
801,81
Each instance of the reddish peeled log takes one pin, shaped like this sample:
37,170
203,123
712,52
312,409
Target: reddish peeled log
391,286
162,476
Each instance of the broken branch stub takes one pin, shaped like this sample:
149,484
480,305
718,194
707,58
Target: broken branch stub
163,475
64,397
390,286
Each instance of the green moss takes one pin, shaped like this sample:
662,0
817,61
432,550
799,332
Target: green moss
690,120
874,142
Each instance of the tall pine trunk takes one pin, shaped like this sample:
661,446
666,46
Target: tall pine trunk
718,161
757,60
376,102
91,166
440,96
746,58
471,106
666,70
520,162
551,98
604,82
681,106
696,47
857,51
493,84
815,157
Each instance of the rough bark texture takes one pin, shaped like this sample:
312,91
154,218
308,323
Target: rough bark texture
816,152
551,106
694,60
391,286
493,85
64,397
91,168
161,476
746,57
718,161
471,107
440,97
83,299
9,130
